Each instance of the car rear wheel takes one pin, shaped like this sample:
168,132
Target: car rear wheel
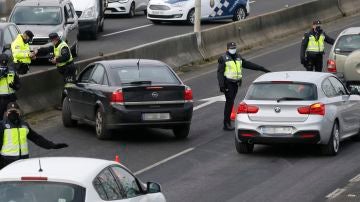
66,114
239,14
102,132
75,50
181,132
132,10
332,147
243,148
191,17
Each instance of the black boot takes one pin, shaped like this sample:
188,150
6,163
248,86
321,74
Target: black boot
228,127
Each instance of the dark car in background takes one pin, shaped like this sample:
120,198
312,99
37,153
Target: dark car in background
117,93
8,33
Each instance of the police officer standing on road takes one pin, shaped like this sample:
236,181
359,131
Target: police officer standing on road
14,133
9,83
22,55
312,47
229,75
62,57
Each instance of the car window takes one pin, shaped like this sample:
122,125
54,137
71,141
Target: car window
100,189
69,12
106,80
85,75
348,43
98,75
14,31
328,88
338,86
72,9
7,37
36,15
127,181
277,90
109,185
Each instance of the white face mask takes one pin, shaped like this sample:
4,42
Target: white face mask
232,51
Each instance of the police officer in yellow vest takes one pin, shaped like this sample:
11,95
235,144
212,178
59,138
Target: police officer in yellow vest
312,47
22,55
9,83
229,76
14,135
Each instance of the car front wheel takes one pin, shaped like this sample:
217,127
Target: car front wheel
102,132
239,14
332,147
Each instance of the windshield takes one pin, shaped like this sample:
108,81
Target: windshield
348,43
282,91
144,75
36,15
41,192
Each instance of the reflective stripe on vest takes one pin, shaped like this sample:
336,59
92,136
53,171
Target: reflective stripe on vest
57,53
233,69
316,45
4,84
20,51
15,142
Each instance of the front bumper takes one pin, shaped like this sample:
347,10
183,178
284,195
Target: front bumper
118,8
174,14
120,115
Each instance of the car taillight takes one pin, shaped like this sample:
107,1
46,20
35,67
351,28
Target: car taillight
34,178
117,97
317,108
244,108
188,95
331,65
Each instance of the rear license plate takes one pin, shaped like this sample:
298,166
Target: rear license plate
277,130
155,116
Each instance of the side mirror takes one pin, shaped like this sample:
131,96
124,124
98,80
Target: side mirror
70,21
153,187
6,47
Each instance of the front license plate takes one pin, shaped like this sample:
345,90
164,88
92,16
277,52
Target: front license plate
277,130
108,12
158,13
155,116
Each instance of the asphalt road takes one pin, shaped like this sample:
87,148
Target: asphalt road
121,33
206,166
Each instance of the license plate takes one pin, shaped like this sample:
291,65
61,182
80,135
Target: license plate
277,130
157,12
107,11
155,116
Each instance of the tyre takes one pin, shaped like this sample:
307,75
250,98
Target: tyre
243,148
181,132
102,132
93,33
75,50
191,17
66,114
156,22
332,147
145,12
239,14
101,27
132,10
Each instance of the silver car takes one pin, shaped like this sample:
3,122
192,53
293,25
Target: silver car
297,107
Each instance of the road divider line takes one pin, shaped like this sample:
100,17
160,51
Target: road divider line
335,193
355,179
126,30
209,101
163,161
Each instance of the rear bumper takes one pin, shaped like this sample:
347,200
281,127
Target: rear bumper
296,138
120,115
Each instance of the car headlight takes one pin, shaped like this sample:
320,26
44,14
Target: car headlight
88,13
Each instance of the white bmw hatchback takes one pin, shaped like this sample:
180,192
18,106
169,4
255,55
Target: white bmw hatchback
68,179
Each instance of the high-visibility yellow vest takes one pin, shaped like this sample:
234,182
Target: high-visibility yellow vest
316,46
233,69
4,84
57,53
15,142
20,51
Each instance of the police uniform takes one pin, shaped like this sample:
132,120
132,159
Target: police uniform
21,53
14,133
9,83
312,48
229,76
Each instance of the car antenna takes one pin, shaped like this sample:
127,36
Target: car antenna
40,169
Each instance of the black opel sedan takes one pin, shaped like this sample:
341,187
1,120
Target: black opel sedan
116,93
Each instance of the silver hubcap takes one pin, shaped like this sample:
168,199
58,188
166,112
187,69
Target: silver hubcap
240,14
192,17
98,123
336,139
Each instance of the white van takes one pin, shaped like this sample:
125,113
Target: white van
184,10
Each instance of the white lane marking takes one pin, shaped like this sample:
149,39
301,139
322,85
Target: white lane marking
164,161
335,193
126,30
209,101
251,2
355,179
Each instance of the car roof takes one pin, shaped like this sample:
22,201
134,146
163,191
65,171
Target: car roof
295,76
351,31
131,63
74,170
40,2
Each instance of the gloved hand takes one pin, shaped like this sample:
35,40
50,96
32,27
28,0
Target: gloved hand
12,85
222,89
60,146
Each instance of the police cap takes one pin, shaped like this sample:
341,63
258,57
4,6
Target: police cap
4,59
231,45
13,105
29,34
53,36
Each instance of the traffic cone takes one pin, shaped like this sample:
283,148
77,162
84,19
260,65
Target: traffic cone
117,158
233,114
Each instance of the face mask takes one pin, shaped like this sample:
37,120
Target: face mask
232,51
318,29
27,41
14,117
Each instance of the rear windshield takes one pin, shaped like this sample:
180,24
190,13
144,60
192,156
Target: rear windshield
287,91
36,15
348,43
41,192
156,75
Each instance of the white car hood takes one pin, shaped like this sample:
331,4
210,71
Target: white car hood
82,5
40,30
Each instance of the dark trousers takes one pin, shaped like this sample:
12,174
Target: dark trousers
68,72
4,101
6,160
21,68
230,95
314,61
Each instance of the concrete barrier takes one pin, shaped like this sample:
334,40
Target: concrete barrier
349,7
